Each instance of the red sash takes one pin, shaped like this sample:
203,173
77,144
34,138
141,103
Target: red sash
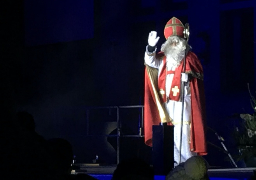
176,82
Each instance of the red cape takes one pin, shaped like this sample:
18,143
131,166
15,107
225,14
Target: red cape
151,112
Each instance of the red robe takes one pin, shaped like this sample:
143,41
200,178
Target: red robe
151,106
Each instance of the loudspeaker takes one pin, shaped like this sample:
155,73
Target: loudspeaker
162,149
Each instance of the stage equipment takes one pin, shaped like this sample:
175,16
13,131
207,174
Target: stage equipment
225,150
162,149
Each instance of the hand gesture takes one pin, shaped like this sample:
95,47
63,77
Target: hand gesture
152,39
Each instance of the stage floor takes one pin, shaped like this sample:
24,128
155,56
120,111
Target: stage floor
104,172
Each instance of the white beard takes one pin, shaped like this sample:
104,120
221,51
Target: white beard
174,54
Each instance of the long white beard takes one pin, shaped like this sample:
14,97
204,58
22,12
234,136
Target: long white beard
174,54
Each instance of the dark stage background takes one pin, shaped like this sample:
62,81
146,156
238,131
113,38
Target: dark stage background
60,57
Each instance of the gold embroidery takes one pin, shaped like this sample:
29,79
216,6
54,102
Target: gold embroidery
162,91
178,123
170,25
175,90
174,29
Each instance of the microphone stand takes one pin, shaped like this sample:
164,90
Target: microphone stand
186,35
221,139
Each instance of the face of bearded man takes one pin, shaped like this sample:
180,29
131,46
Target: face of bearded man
174,49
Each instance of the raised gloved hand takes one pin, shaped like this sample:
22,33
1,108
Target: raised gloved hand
152,38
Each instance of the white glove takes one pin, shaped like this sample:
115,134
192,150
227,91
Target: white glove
152,39
184,77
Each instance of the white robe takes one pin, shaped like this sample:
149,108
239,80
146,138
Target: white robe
174,110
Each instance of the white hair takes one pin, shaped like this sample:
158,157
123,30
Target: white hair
174,49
